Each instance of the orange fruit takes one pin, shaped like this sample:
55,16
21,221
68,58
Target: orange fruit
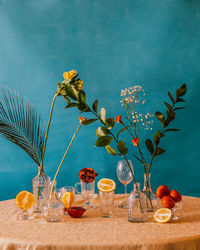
106,185
68,199
162,191
163,215
25,200
167,202
175,195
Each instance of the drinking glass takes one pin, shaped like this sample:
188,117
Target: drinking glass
125,177
107,203
87,191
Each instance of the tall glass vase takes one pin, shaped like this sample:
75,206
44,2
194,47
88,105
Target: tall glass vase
137,206
40,187
53,209
151,198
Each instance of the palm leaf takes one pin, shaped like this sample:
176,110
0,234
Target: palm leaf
20,124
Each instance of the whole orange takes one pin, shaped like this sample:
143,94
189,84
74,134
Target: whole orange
162,191
176,196
167,202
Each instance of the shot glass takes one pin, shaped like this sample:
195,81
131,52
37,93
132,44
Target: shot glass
107,203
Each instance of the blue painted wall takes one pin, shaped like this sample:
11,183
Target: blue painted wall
113,44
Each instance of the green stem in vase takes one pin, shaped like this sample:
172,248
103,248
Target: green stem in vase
54,180
44,148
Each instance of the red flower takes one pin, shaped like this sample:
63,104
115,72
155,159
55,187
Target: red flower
118,118
82,119
135,141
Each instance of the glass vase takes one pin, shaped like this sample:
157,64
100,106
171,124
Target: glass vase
151,198
40,187
137,206
53,209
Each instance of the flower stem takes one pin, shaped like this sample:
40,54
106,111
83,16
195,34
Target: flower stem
44,147
51,192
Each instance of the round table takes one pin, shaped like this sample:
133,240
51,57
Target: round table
94,232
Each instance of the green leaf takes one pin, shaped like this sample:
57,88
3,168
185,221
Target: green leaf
102,114
89,121
171,97
170,117
121,130
95,106
86,109
111,150
180,100
179,108
71,105
160,134
71,91
67,99
103,141
160,117
82,107
181,91
159,151
110,122
156,139
121,146
149,145
169,107
81,97
172,129
101,131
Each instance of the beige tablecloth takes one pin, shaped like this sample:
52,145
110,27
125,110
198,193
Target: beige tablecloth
94,232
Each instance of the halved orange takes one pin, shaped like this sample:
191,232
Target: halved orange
25,200
106,185
163,215
68,199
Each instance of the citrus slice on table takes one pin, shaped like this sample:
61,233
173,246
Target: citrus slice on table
68,199
25,200
163,215
106,185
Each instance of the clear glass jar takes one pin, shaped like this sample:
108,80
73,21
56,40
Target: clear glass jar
53,209
137,206
151,198
40,187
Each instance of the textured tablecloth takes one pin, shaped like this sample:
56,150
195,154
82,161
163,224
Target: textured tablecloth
94,232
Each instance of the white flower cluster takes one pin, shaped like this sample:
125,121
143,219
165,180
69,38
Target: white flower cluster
132,95
146,120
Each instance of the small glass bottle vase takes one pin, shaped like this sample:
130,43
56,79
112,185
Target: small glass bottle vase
137,206
40,186
151,198
53,209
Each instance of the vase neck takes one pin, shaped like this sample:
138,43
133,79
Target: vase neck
147,181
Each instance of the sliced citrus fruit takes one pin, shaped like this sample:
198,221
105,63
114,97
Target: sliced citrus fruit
163,215
25,200
68,199
106,185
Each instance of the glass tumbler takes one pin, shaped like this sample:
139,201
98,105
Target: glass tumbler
107,203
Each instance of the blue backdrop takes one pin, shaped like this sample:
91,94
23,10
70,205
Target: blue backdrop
113,44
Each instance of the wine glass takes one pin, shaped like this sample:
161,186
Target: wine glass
125,177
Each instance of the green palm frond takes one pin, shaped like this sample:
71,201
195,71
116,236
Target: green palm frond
20,124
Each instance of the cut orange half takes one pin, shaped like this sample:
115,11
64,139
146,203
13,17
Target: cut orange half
163,215
25,200
68,199
106,185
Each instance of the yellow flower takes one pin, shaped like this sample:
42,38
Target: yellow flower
69,75
79,84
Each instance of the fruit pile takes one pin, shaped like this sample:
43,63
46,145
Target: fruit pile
87,175
168,198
